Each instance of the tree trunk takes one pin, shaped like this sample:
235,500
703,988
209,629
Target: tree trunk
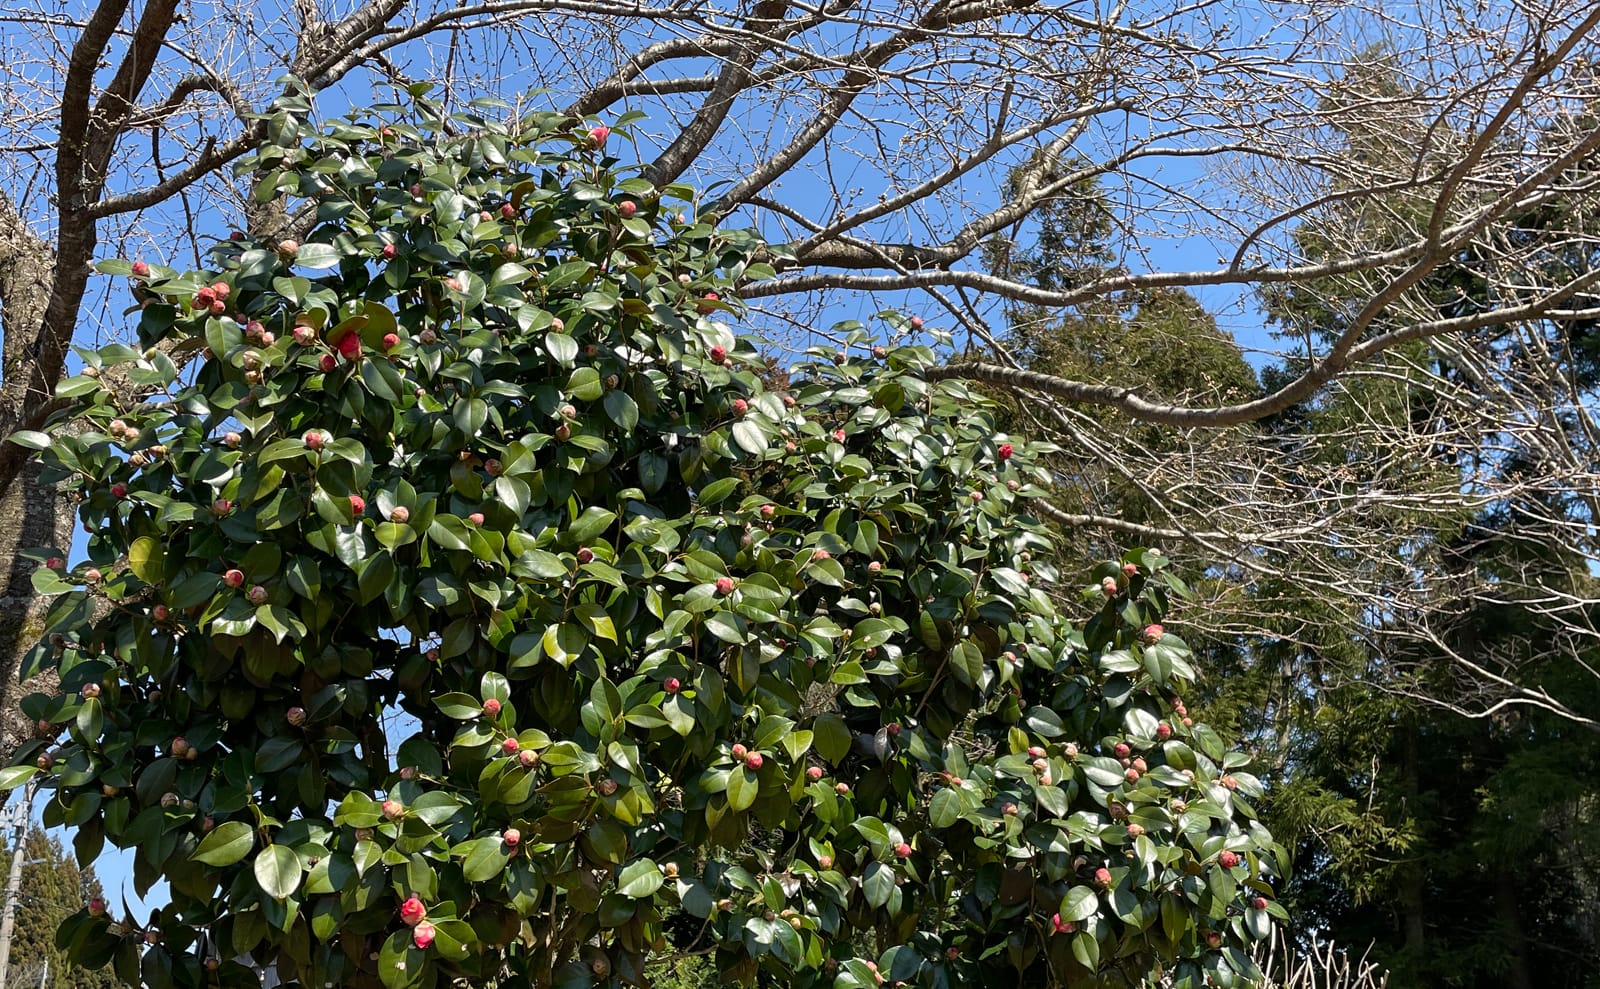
1509,916
1412,894
31,516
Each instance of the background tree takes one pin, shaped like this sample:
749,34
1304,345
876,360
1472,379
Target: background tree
867,140
53,889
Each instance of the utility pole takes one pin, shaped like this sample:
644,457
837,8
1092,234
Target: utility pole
15,817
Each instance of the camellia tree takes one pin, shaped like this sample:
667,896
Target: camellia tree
476,607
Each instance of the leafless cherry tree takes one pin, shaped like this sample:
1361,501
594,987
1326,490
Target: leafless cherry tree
872,139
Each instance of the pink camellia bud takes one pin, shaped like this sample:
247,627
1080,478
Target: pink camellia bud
314,439
391,341
1035,752
754,761
141,269
55,563
180,747
1132,775
563,432
422,935
740,406
1005,451
349,346
1258,903
1163,731
1108,587
413,912
510,746
1188,722
89,690
902,850
232,440
234,578
507,211
825,861
119,490
160,613
295,716
1214,939
416,190
880,352
738,752
1062,926
254,329
389,252
1152,634
1229,782
627,208
1009,809
585,555
491,708
409,773
257,595
475,519
1130,570
221,507
204,298
1102,877
97,907
842,789
1228,859
708,302
493,467
363,834
893,728
717,355
671,685
606,787
768,511
724,585
512,837
92,575
1139,764
358,504
814,773
328,362
528,758
288,248
394,809
1135,830
838,435
1121,749
400,515
599,134
45,761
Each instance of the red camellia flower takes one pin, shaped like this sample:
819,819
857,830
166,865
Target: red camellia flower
1005,451
328,362
412,912
350,346
599,134
422,935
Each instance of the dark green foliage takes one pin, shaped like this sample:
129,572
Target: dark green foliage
475,571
